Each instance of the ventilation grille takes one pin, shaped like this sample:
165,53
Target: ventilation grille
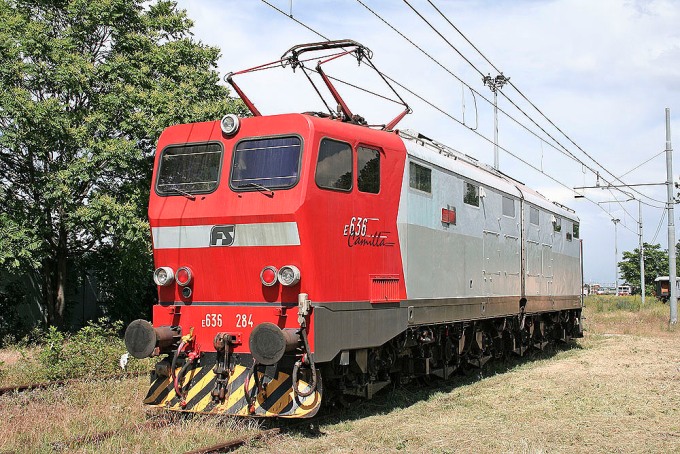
384,289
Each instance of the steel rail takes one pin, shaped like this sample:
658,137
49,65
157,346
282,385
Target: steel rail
98,437
235,443
48,384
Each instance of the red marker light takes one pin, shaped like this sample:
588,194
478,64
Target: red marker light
183,276
268,276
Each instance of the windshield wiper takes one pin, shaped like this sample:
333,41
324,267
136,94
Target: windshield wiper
182,192
263,189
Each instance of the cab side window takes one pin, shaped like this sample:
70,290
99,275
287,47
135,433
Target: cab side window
368,170
334,167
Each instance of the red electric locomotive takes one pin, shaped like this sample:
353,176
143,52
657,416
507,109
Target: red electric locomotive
307,252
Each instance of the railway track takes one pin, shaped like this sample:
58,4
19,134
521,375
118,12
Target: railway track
226,446
99,437
155,423
235,443
161,420
56,383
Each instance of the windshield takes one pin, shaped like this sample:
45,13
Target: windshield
272,163
189,169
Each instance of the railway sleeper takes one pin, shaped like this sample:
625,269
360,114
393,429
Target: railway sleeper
440,350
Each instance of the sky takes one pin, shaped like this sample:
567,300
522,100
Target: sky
602,71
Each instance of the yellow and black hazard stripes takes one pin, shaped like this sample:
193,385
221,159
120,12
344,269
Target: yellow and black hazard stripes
196,384
275,399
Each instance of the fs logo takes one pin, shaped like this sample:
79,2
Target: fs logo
222,235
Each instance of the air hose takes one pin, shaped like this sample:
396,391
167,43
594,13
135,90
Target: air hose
298,364
246,386
174,362
296,371
177,379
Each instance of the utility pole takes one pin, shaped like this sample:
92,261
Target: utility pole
642,253
616,258
672,280
495,84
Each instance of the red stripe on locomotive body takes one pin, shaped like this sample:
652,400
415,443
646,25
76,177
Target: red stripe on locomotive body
345,238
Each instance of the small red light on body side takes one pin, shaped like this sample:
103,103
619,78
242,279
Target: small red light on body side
449,216
183,276
268,276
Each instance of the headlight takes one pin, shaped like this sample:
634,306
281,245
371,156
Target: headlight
183,276
268,276
230,124
289,275
163,276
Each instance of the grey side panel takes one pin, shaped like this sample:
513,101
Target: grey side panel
443,264
556,303
553,261
445,310
495,246
362,325
345,330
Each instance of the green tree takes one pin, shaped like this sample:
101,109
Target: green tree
656,264
86,87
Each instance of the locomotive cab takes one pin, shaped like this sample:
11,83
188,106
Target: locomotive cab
252,227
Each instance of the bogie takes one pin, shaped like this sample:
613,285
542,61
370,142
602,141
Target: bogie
440,351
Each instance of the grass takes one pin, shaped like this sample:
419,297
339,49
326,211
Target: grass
18,366
616,390
626,315
41,421
92,352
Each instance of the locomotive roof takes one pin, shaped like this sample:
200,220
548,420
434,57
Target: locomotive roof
445,157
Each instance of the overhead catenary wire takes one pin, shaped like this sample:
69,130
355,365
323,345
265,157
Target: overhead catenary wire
442,111
622,225
563,150
444,38
640,165
472,90
421,98
464,37
290,16
597,163
658,227
622,207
